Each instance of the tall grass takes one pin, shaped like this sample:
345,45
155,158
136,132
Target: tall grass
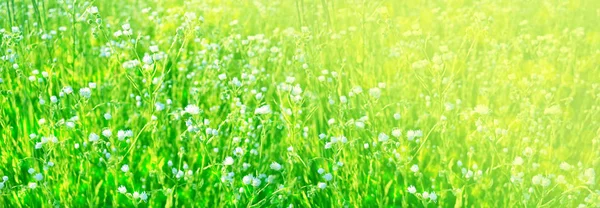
305,103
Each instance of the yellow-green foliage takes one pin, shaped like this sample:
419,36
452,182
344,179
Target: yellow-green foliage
303,103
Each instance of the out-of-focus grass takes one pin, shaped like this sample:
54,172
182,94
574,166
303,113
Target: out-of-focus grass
306,103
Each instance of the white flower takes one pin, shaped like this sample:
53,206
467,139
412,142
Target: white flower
265,109
383,137
396,133
375,92
147,59
92,10
122,189
85,92
359,124
296,90
94,137
518,161
537,179
192,109
136,195
125,168
228,161
144,196
545,182
322,185
433,196
565,166
321,171
412,189
481,109
154,49
256,182
107,116
38,177
159,106
276,166
67,90
247,179
107,132
32,185
410,134
328,177
414,168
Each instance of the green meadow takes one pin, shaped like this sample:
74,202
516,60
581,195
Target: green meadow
300,103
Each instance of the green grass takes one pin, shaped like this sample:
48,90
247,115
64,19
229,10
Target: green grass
484,103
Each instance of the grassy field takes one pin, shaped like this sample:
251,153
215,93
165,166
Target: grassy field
299,103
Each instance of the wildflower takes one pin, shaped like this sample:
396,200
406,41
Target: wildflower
92,10
537,179
276,166
414,168
122,189
32,185
147,59
228,161
85,92
545,182
565,166
159,106
125,168
322,185
94,137
192,109
518,161
433,196
107,132
383,137
412,189
67,90
396,133
256,182
481,110
375,92
107,116
247,179
265,109
38,177
321,171
144,196
328,177
154,49
410,134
